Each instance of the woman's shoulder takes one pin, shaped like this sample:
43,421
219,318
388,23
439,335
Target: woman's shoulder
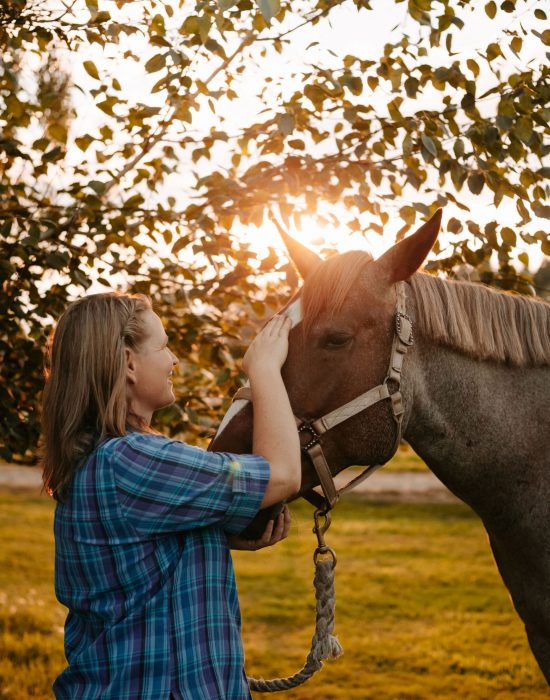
134,439
142,445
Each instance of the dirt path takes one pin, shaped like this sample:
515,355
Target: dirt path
409,487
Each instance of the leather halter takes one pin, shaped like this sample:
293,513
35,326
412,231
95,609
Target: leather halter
402,340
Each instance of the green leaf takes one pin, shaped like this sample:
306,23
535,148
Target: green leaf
97,185
134,201
522,211
107,105
155,63
408,214
458,148
468,102
454,225
429,144
223,376
473,66
408,144
15,106
100,17
354,84
52,155
204,23
286,123
91,68
297,143
476,182
58,132
491,9
516,44
508,236
190,25
180,244
524,129
373,82
411,86
493,51
315,94
56,261
269,9
5,228
393,109
183,112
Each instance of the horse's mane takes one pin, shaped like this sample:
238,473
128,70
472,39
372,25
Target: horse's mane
481,322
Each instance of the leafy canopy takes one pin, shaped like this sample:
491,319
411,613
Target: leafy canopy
119,167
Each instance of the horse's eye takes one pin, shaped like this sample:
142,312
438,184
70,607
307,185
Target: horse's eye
335,341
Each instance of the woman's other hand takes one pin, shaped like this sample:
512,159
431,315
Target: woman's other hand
274,532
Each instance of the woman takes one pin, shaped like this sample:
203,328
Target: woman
143,523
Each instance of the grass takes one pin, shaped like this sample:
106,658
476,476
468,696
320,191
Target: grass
404,460
421,612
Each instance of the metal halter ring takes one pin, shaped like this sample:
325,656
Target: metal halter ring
322,551
315,437
319,530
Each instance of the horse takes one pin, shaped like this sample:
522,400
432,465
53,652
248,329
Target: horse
474,395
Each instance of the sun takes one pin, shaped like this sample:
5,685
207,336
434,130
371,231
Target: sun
320,237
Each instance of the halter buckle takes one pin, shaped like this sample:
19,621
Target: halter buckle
315,437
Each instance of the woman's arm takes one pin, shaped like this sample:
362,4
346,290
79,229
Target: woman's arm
275,436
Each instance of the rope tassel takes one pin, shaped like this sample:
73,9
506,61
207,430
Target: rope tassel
324,645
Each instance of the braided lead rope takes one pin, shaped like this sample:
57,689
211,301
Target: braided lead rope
323,644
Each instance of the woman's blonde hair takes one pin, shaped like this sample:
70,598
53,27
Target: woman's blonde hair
85,393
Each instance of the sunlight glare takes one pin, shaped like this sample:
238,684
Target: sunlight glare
319,237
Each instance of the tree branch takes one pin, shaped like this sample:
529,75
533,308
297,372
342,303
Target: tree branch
162,128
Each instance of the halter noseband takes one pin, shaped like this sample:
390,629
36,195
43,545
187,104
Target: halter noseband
402,340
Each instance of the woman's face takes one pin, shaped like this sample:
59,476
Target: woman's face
149,370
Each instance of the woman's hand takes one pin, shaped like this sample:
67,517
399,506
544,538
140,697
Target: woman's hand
269,348
273,533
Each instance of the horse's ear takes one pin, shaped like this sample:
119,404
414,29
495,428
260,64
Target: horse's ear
403,259
303,258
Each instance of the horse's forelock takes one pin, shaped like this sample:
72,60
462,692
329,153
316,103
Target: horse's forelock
326,289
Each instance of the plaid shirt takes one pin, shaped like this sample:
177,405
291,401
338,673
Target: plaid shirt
143,565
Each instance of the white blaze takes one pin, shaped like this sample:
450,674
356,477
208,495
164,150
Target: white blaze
294,312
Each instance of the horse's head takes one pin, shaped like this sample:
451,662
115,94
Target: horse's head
339,347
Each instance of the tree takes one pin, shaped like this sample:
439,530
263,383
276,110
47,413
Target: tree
151,192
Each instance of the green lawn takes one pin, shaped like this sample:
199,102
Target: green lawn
405,460
421,612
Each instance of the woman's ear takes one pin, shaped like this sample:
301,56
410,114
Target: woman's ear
131,369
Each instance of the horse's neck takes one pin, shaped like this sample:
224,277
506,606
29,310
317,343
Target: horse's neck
478,425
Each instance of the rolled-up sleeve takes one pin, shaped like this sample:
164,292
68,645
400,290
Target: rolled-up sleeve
168,486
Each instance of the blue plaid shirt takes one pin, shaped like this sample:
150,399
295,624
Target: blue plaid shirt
143,565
